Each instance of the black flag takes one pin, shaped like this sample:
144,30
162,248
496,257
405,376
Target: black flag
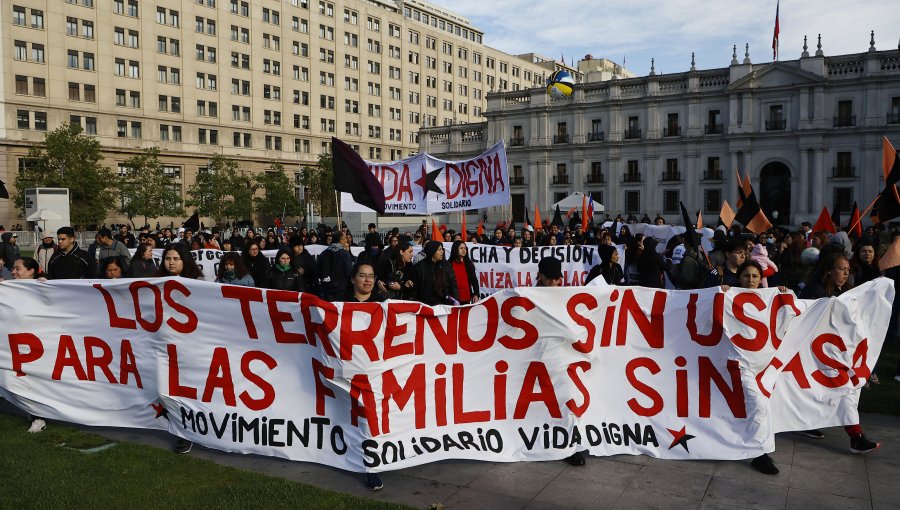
690,233
557,218
193,223
352,175
3,192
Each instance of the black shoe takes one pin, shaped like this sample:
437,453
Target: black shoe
862,444
765,465
576,459
183,446
373,482
813,433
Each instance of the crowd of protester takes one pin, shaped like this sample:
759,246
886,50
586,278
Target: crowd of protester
810,264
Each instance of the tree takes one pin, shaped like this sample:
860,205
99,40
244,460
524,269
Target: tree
69,159
279,197
146,190
222,191
319,183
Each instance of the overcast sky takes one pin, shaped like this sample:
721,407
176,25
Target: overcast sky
669,30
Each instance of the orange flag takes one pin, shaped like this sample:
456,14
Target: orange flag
699,218
465,235
436,232
726,214
537,218
480,231
824,223
584,213
891,257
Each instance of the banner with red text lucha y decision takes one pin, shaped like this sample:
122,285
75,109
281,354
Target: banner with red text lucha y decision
423,184
527,374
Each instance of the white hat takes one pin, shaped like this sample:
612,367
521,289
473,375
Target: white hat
529,228
180,230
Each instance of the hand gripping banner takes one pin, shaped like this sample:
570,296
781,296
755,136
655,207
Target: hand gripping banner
526,374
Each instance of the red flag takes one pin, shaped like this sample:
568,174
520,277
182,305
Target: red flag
436,232
855,224
537,218
465,235
775,35
824,224
584,213
480,230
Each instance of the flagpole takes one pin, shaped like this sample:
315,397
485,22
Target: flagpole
337,205
859,220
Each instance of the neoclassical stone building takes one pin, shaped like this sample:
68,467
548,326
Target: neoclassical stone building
807,131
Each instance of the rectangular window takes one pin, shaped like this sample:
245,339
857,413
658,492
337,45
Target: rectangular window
23,119
632,202
22,85
670,201
712,201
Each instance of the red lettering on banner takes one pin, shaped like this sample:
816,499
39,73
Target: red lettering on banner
460,415
818,350
734,394
474,177
400,188
393,329
861,370
320,371
446,337
651,327
578,410
146,325
329,315
490,330
530,335
360,387
364,338
245,295
219,377
273,297
657,401
536,373
67,356
114,320
758,341
775,364
779,301
608,319
682,405
190,323
93,361
414,388
19,358
175,387
440,395
590,302
128,365
268,391
500,390
795,368
715,332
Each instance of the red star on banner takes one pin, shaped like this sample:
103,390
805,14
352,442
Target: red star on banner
680,437
160,410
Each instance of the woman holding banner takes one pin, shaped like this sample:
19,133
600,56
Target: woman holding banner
464,272
434,277
362,281
233,272
397,273
142,265
257,264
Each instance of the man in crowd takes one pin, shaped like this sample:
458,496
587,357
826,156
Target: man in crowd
125,237
109,247
9,249
334,268
70,261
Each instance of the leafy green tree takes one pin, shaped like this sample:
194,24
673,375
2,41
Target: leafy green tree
278,193
319,183
146,190
222,191
69,159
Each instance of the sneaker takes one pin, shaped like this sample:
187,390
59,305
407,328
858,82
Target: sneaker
897,377
373,482
36,426
183,446
862,444
765,465
814,433
576,459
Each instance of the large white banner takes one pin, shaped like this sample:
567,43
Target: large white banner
424,184
529,374
502,267
662,233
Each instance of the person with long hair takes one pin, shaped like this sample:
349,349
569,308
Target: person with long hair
864,263
464,273
26,268
177,261
256,263
435,280
232,271
142,265
112,268
633,250
831,279
283,275
650,265
397,273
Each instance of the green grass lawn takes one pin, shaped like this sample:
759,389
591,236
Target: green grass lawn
884,398
36,471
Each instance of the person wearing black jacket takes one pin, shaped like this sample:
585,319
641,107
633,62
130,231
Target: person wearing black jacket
70,261
257,264
283,276
304,263
435,280
608,267
650,265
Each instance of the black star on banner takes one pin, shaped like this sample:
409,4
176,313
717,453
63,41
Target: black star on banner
160,410
680,437
428,181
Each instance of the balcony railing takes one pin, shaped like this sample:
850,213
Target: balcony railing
560,138
632,177
843,171
845,121
632,134
560,179
596,178
712,175
713,129
597,136
776,125
672,131
893,118
671,175
516,142
517,180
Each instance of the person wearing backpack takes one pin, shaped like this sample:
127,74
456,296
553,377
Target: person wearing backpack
334,267
693,272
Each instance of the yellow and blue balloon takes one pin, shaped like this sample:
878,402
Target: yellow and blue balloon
560,84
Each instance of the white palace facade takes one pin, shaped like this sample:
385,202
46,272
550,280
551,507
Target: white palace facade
807,131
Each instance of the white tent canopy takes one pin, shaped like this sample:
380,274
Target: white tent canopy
574,200
43,215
